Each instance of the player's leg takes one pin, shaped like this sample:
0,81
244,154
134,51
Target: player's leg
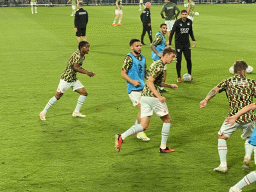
178,62
141,135
79,88
143,34
78,35
120,18
35,8
248,134
247,180
73,10
62,87
187,55
149,30
32,7
117,15
224,133
83,33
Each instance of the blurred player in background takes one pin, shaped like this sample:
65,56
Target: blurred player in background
118,12
140,4
190,10
146,22
81,20
157,47
251,177
169,9
33,3
69,79
153,101
74,3
182,29
185,4
134,72
240,91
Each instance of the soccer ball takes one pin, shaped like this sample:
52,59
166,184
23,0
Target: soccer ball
231,70
196,14
187,77
249,69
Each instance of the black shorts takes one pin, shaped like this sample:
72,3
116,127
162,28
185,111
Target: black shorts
81,32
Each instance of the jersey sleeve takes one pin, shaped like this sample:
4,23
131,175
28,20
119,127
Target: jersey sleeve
158,40
127,63
254,88
222,85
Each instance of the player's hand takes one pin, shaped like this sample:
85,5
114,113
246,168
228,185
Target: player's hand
230,120
91,74
162,99
194,44
149,24
75,29
203,103
174,86
136,83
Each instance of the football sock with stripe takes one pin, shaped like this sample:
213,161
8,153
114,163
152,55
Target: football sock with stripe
133,130
80,102
222,148
247,180
165,134
248,149
50,103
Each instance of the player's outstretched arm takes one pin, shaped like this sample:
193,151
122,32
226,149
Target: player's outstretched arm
173,86
232,119
210,95
82,70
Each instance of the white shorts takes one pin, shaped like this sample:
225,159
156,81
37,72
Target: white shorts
227,130
141,1
135,97
64,85
118,12
73,6
186,5
191,18
32,3
169,24
150,104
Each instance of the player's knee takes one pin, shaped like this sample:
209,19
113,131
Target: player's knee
58,95
84,93
222,137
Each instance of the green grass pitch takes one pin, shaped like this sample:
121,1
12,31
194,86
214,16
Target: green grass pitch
75,154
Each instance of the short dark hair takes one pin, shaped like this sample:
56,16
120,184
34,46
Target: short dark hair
162,25
83,44
133,41
184,11
168,50
239,66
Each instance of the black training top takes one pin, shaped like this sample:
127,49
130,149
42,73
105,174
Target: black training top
182,31
145,16
81,18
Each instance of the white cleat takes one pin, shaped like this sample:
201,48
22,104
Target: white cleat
42,116
221,169
234,189
142,136
77,114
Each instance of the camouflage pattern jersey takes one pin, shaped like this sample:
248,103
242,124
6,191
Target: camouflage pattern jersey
156,70
158,40
240,91
69,74
191,5
185,1
169,9
74,2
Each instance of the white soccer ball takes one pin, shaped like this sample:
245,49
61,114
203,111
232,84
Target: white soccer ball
249,69
231,70
196,14
187,77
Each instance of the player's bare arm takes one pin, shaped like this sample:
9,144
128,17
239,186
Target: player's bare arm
172,86
82,70
152,45
127,78
210,95
232,119
150,84
117,6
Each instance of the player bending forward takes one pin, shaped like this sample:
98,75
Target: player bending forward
68,79
251,177
152,100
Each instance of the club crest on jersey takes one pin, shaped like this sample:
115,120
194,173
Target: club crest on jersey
181,24
178,50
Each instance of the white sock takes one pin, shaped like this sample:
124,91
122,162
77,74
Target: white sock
36,9
133,130
140,6
248,149
247,180
50,103
80,102
119,21
32,9
165,134
114,22
222,148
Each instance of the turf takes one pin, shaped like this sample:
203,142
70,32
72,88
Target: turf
75,154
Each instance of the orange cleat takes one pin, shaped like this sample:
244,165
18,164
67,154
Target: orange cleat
179,80
114,24
119,24
166,150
